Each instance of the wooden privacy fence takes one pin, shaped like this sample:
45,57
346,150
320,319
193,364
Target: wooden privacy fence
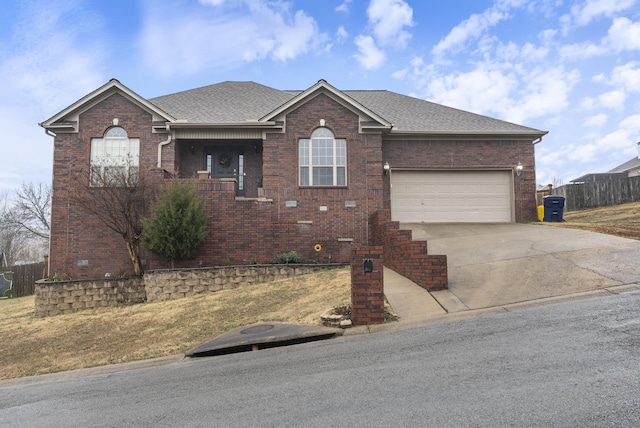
25,277
599,194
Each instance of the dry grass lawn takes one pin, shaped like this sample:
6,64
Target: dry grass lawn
32,346
619,220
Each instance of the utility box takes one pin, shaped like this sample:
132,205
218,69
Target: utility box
553,208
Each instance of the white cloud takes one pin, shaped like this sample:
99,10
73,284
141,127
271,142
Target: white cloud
596,121
588,103
613,99
52,57
618,140
369,55
49,64
400,74
476,25
344,7
545,92
632,124
624,35
471,28
388,19
587,11
580,51
225,38
626,77
512,94
341,34
479,90
293,39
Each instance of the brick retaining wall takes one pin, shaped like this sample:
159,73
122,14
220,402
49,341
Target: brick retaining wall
408,257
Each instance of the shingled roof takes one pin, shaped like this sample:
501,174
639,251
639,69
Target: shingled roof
223,102
232,102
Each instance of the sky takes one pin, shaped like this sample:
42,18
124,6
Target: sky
569,67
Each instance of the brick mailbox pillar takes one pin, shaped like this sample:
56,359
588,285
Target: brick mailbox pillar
367,286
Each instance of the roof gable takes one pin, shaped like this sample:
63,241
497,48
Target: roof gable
368,118
67,119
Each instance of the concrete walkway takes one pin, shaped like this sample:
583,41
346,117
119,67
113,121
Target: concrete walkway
411,302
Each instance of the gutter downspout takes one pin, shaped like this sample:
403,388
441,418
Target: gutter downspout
164,143
47,258
537,140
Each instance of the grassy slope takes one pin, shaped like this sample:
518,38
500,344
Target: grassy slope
620,220
32,346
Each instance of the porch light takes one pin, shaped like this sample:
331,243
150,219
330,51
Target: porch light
386,168
519,169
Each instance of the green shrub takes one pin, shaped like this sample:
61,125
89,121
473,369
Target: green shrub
177,223
290,257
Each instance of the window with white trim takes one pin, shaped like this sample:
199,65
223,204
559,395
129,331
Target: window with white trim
114,158
323,159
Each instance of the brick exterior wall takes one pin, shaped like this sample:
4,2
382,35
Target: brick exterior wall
306,224
255,229
367,288
407,257
75,235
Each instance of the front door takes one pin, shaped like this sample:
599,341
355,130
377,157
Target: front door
226,162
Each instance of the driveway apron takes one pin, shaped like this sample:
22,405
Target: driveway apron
499,264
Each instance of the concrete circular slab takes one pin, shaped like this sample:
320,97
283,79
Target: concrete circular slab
262,335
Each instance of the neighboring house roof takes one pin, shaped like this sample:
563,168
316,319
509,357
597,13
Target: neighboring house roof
628,165
249,101
596,177
620,171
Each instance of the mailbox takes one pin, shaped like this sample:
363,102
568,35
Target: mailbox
367,265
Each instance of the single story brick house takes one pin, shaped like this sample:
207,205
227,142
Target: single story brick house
284,170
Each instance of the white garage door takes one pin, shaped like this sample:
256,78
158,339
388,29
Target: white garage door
451,196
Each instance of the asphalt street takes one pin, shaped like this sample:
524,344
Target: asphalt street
567,364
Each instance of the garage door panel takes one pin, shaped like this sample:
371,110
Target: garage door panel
451,196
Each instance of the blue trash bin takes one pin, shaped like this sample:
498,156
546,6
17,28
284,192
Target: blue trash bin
553,208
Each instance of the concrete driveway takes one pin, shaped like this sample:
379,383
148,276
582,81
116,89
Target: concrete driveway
499,264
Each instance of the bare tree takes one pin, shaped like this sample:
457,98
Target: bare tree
118,196
31,210
12,241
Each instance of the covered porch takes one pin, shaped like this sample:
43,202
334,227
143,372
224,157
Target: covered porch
222,159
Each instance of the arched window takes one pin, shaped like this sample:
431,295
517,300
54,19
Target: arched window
323,159
114,158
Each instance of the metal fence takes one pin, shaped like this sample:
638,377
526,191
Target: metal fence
599,194
25,277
